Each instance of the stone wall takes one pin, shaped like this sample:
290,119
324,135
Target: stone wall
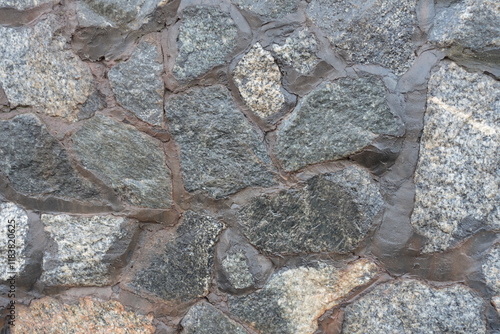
237,166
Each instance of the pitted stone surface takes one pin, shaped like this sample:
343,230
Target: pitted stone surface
457,173
203,318
14,229
237,270
294,299
23,4
129,161
410,306
298,51
271,9
137,83
369,32
220,151
491,269
206,37
334,121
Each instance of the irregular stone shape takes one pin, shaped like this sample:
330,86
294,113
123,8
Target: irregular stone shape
220,151
457,172
134,164
334,121
203,318
273,9
58,80
137,83
258,79
22,4
491,269
294,299
332,213
496,302
86,248
95,102
409,306
50,316
374,32
14,231
36,164
182,271
298,51
206,37
238,271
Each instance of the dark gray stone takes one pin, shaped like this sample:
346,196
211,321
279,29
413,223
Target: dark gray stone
95,102
220,151
14,221
272,9
203,318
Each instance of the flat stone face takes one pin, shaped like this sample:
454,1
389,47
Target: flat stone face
203,318
206,37
137,83
272,9
258,79
38,53
335,120
220,151
457,173
374,32
134,164
23,4
491,269
298,51
332,213
409,306
29,152
14,229
294,299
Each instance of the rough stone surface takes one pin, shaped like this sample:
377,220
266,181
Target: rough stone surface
58,80
23,4
237,269
135,165
457,173
203,318
14,221
258,79
206,37
137,83
273,9
374,32
491,269
49,316
294,299
335,120
410,306
220,151
95,102
298,51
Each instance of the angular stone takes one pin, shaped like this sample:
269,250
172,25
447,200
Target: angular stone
273,9
95,102
206,37
14,231
409,306
238,271
294,299
36,164
457,172
374,32
334,121
491,269
220,151
331,213
298,51
203,318
58,80
258,79
137,83
23,4
134,165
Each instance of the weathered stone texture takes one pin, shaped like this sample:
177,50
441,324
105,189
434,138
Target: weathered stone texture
335,120
23,4
457,173
271,9
203,318
238,271
220,151
491,269
14,231
298,51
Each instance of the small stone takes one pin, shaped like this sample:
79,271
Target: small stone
134,165
221,153
137,83
491,269
23,4
496,302
203,318
457,172
95,102
14,231
273,9
334,121
409,306
294,299
258,79
206,37
238,271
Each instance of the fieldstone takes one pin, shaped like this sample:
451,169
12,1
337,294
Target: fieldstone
134,164
334,121
294,299
203,318
220,151
409,306
58,80
491,269
496,303
258,79
206,37
331,213
137,83
457,172
13,244
23,4
238,270
375,32
271,9
95,102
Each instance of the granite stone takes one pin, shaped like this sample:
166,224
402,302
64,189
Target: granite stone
23,4
270,9
14,229
491,269
95,102
298,51
238,271
203,318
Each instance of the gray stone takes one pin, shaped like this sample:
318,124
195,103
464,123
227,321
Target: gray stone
334,121
272,9
238,270
203,318
294,299
220,151
206,37
374,32
137,83
331,213
23,4
134,164
457,174
95,102
14,231
409,306
491,269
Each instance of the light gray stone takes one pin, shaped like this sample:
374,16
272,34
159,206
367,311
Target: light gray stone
298,51
271,9
23,4
491,269
237,269
14,230
203,318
